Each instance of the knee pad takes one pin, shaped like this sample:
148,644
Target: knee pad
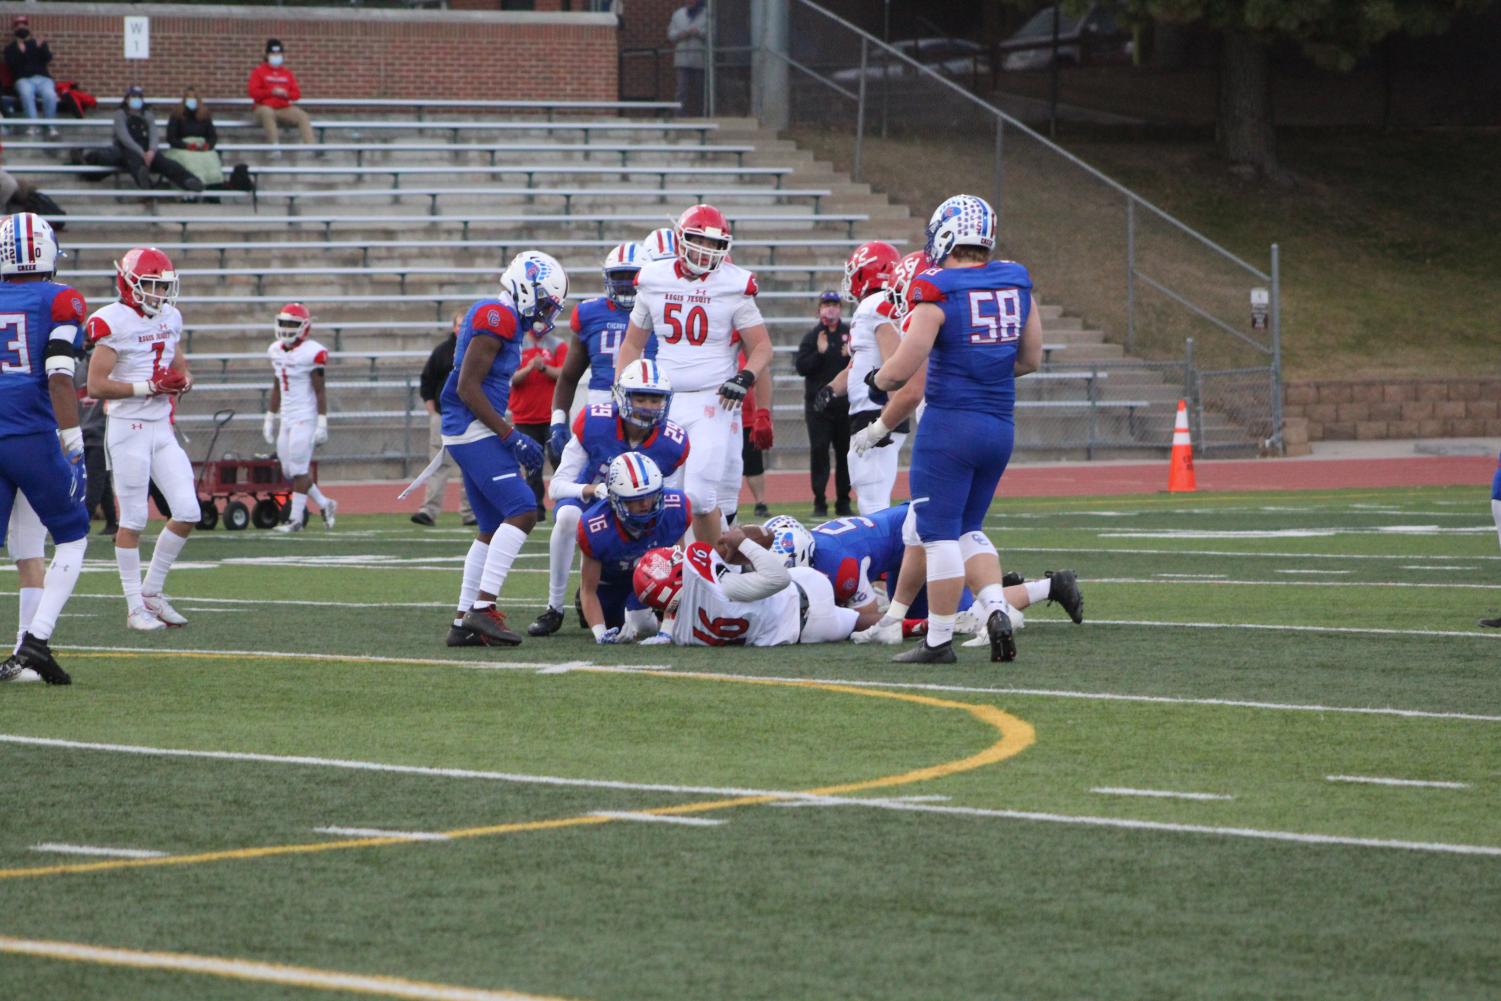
565,518
972,544
945,561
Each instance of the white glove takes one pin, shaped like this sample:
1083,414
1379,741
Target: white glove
657,639
869,437
321,435
268,427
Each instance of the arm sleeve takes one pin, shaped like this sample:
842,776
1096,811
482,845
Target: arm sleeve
748,314
174,132
564,482
641,315
767,577
807,354
122,133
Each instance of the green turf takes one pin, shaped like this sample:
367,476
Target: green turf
809,901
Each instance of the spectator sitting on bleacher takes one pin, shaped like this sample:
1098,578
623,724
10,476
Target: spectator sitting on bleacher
27,58
274,90
135,147
191,139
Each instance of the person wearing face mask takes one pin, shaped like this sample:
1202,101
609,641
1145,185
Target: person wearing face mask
822,355
136,138
273,88
27,57
191,139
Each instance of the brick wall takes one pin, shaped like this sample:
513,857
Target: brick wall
644,26
1416,408
338,52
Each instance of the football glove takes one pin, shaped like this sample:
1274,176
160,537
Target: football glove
78,483
167,381
557,437
877,395
525,449
610,636
321,434
873,435
761,435
823,400
732,393
657,639
268,427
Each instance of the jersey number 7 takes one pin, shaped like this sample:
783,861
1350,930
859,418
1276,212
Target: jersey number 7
1001,326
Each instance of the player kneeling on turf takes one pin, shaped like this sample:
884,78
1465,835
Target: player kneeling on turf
297,395
638,516
705,603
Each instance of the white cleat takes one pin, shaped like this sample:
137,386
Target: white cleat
889,634
288,527
13,672
144,619
968,621
158,605
328,511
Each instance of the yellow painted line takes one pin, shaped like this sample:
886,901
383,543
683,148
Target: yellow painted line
266,973
1016,735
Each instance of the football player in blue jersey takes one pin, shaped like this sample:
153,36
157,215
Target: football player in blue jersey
1496,514
975,325
635,422
41,445
638,514
598,326
493,457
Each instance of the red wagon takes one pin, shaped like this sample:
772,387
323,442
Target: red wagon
253,491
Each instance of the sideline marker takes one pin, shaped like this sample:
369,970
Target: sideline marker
1180,475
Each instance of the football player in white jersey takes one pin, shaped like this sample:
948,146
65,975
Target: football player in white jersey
698,303
705,603
298,397
139,373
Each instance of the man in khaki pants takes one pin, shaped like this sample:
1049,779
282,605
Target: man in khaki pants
274,90
434,375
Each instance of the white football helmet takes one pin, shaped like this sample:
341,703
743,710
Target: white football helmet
538,285
27,245
790,540
621,267
660,244
961,221
642,394
635,487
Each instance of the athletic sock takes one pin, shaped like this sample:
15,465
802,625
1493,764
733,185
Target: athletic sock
1496,513
474,566
504,545
992,598
57,586
940,629
163,555
30,598
299,507
318,496
560,546
1039,590
129,562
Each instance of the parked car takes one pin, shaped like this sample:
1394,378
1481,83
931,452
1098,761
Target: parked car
957,58
1093,38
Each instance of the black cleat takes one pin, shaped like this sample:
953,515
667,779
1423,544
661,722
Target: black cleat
1066,592
1011,578
490,623
460,636
35,654
1491,623
1002,637
547,623
924,654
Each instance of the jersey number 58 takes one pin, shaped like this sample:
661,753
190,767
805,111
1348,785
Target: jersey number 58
995,315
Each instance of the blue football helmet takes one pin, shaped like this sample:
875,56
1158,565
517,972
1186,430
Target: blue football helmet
642,395
961,221
621,267
632,479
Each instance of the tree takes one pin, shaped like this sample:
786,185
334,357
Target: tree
1334,33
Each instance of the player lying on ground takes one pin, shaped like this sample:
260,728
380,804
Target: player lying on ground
636,421
41,445
298,397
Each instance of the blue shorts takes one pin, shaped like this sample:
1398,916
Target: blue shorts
494,481
34,464
1496,482
616,597
957,462
919,607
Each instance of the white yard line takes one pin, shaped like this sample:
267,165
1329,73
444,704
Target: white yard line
654,818
1221,579
1156,793
99,850
1416,783
1314,571
376,832
1436,566
1275,627
1134,551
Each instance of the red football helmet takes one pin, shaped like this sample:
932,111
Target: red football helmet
871,268
659,578
293,323
703,238
911,266
146,280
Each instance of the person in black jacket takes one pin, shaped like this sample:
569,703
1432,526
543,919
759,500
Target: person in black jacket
27,57
434,375
823,354
135,148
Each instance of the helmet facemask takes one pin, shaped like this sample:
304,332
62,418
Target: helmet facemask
152,292
620,286
700,252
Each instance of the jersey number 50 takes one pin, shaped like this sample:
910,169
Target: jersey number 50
1001,326
694,326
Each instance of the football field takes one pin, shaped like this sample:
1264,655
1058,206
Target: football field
1267,765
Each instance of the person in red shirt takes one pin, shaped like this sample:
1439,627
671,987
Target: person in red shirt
531,397
274,90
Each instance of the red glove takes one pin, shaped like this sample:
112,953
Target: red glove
169,380
761,436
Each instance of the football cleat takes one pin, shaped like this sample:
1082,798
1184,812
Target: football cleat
460,636
1011,578
288,527
889,634
1002,637
37,655
1491,623
144,619
968,621
158,605
547,623
924,654
491,624
327,512
1065,591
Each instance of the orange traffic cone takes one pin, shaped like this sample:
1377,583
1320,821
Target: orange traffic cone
1180,475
